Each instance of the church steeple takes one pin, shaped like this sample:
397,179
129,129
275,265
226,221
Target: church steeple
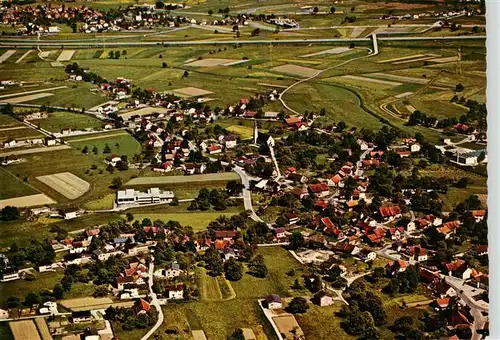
255,132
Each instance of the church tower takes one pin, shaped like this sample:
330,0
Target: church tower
255,132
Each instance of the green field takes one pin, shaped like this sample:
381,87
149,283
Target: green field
20,288
120,144
165,180
13,186
19,134
8,121
219,318
62,120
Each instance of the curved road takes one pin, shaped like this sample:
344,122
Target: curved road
154,302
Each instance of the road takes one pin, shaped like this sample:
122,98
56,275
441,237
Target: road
99,43
280,98
476,309
154,302
247,196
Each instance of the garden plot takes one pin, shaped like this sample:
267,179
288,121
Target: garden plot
336,50
356,31
6,55
24,329
27,201
23,56
445,59
45,54
66,55
407,58
296,70
56,64
191,92
414,60
209,62
66,184
398,78
28,98
372,80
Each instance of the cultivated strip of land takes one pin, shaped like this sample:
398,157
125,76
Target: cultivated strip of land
66,184
372,80
66,55
24,329
296,70
27,98
27,201
226,176
101,136
336,50
35,150
23,56
6,55
31,92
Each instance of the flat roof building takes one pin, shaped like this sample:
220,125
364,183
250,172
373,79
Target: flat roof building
153,195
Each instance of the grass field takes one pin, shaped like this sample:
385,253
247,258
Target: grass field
5,332
13,186
164,180
8,121
120,144
219,318
19,134
321,322
20,288
62,120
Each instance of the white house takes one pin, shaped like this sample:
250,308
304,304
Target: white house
175,292
321,298
273,301
367,255
415,147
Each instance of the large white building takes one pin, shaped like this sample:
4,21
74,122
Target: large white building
153,195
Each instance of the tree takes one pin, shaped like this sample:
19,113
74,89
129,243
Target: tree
233,270
85,149
130,217
58,291
332,10
296,284
9,213
111,54
315,10
106,149
213,261
31,299
296,240
459,87
100,291
236,335
13,302
297,305
121,165
186,74
210,12
74,27
95,150
164,65
481,157
255,32
117,182
462,183
403,324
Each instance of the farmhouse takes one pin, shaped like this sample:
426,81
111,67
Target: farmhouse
175,292
273,301
81,316
153,195
321,299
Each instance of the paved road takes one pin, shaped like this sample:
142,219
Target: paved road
98,43
476,308
154,302
280,98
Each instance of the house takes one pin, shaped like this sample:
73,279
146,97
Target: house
415,147
228,253
194,168
459,268
322,298
225,234
297,178
319,190
175,292
367,255
214,149
442,304
417,253
72,213
390,212
396,233
335,181
448,228
280,232
141,306
81,316
203,244
480,250
445,290
478,215
228,141
394,267
291,218
347,248
427,276
273,301
300,193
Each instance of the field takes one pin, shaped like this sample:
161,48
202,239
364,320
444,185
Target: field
242,131
89,303
27,98
301,71
65,55
335,50
143,112
62,120
191,92
8,121
18,133
66,184
120,143
27,201
164,180
13,186
321,322
210,62
20,288
43,329
287,325
6,55
24,329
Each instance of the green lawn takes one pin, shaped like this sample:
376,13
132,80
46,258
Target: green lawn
321,322
13,186
8,121
20,288
5,332
219,318
120,144
62,119
166,180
